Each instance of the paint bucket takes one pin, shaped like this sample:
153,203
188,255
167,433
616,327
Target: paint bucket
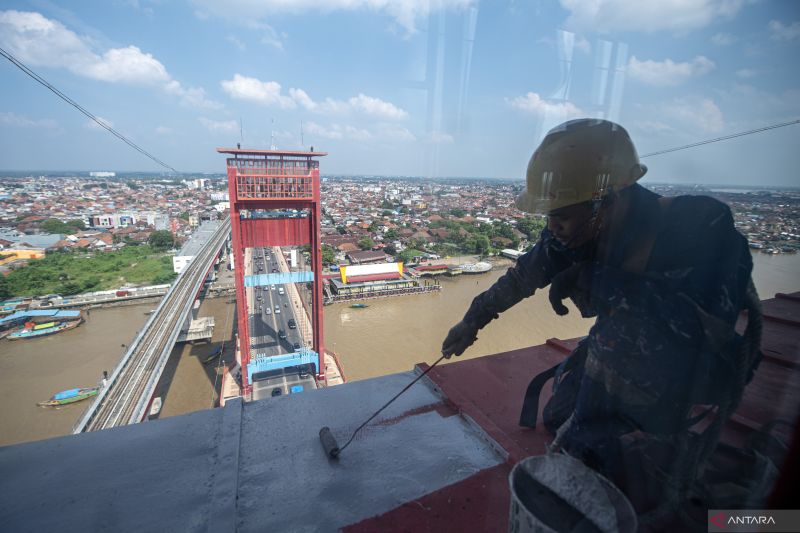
554,493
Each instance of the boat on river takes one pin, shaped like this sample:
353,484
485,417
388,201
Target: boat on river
70,396
358,306
32,330
475,268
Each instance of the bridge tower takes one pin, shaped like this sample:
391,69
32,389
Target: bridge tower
275,201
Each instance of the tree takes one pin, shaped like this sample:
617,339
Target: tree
53,225
391,234
458,213
341,229
386,204
390,249
366,243
531,226
482,244
5,291
328,254
184,215
161,240
77,224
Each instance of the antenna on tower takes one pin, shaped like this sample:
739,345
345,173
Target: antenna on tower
272,137
301,133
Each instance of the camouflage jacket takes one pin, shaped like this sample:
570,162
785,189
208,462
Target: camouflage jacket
645,347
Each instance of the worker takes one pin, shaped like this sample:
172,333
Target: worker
665,278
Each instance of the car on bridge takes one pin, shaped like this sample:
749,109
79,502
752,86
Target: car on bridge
281,334
292,324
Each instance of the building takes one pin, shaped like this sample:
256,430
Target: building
371,279
366,257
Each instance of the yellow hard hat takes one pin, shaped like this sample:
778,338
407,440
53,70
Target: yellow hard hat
578,161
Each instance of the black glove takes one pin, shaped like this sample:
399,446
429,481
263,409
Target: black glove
459,338
570,283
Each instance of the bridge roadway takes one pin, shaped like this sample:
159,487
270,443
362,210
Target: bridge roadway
126,396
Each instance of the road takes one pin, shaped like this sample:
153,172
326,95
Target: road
274,326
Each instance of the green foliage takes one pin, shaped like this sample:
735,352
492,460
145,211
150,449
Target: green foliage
53,225
407,255
185,215
328,254
77,223
386,204
366,243
73,272
5,290
161,240
458,213
532,227
386,213
162,279
341,229
390,249
391,234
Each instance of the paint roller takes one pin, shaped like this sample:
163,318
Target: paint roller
327,439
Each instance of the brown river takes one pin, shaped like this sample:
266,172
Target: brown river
391,335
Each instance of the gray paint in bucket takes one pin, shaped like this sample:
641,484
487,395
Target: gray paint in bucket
556,493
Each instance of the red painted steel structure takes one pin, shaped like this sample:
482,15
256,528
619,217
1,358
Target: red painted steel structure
274,180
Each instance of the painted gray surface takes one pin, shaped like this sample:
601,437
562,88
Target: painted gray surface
287,483
252,467
154,476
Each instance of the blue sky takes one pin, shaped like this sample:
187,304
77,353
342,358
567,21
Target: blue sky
402,87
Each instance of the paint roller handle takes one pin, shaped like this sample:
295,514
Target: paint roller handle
376,413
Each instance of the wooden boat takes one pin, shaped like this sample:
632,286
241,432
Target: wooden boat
213,355
70,396
358,306
41,330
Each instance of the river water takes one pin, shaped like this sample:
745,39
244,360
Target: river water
391,335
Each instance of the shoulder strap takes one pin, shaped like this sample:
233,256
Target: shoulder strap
636,262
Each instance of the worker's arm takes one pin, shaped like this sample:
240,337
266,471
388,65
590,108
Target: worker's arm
532,271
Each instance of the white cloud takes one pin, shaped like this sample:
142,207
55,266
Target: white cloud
652,126
667,73
224,126
254,90
39,41
92,125
583,45
394,133
723,39
636,15
269,93
533,103
302,98
236,42
382,132
405,13
377,107
12,119
437,137
780,32
694,113
746,73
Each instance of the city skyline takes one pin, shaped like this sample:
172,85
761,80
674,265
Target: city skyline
471,98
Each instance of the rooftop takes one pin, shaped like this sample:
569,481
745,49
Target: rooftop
437,459
198,239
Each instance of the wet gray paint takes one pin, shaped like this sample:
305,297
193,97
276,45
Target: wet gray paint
181,473
288,483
